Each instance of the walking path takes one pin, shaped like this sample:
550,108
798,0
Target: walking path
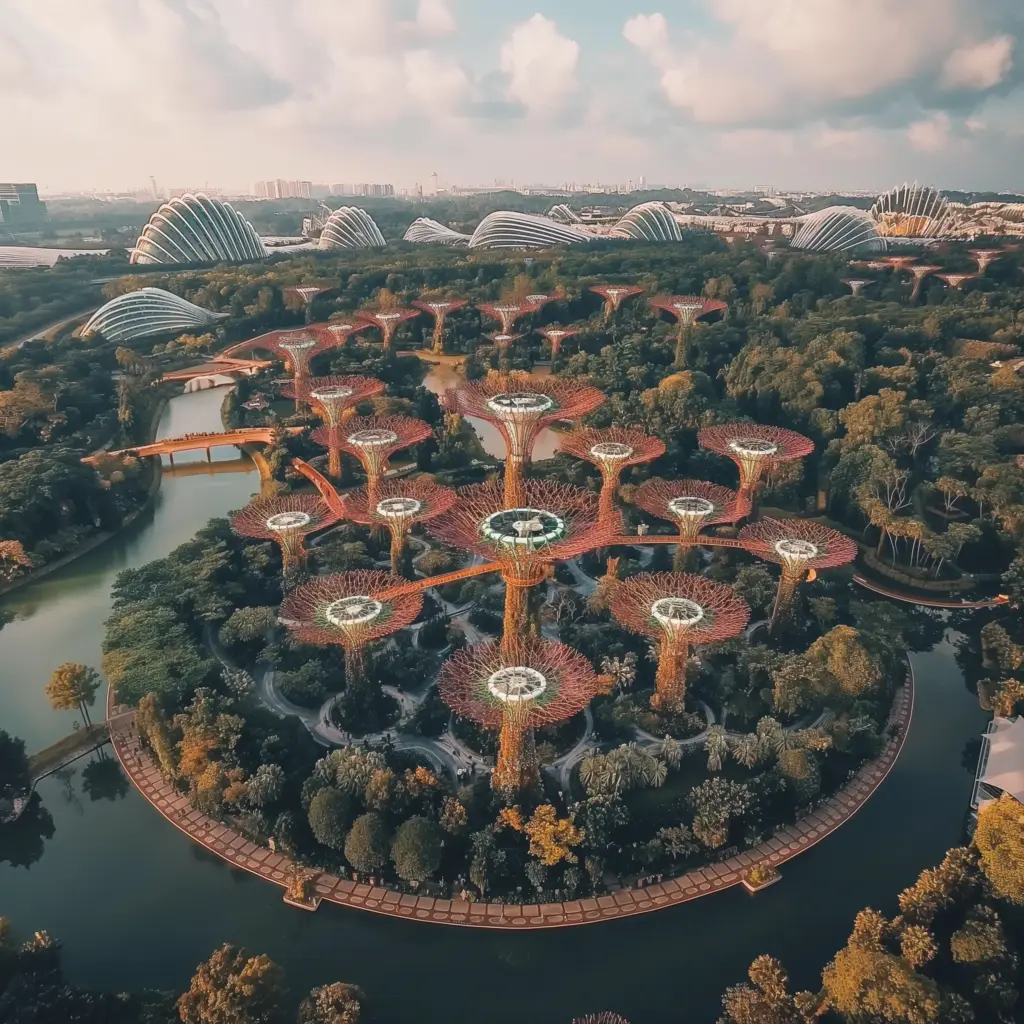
929,602
787,843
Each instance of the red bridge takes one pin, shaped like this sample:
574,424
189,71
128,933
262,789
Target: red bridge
197,443
928,602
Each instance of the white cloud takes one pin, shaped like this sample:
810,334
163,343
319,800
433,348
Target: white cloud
649,34
979,67
434,18
541,65
931,135
437,82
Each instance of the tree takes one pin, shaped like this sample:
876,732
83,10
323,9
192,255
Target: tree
552,838
766,1000
332,1004
999,838
330,815
15,777
248,624
265,786
233,988
72,686
153,725
366,847
715,802
416,849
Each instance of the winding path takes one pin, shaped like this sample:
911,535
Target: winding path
929,602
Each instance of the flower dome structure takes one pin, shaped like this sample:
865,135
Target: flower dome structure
350,227
146,312
912,212
508,229
432,232
649,222
198,229
563,214
838,229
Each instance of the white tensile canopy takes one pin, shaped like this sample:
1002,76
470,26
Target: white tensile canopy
1005,767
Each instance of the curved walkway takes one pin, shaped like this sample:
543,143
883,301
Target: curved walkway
929,602
787,843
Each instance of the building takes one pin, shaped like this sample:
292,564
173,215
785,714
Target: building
1000,763
146,312
21,209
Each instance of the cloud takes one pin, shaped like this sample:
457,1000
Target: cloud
982,66
434,18
439,83
541,65
793,60
931,135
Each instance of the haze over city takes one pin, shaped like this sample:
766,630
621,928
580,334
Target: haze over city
822,94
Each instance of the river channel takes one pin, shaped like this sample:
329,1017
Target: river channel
136,904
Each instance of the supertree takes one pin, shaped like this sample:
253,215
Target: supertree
335,333
297,348
520,406
919,272
306,293
388,320
399,504
373,440
956,281
898,263
801,547
516,688
691,504
539,300
507,312
286,519
687,309
552,522
756,450
439,310
335,398
985,257
502,342
611,450
614,295
856,284
351,609
555,336
677,611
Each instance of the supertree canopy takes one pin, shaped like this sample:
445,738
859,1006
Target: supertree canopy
677,611
553,522
691,504
351,609
502,341
388,320
756,450
519,406
335,333
919,271
297,348
286,519
398,504
439,310
801,547
555,335
373,440
614,295
611,450
306,293
687,309
506,312
516,688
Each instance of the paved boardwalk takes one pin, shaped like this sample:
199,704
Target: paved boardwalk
789,842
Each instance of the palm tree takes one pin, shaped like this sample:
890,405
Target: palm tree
746,750
671,752
716,743
678,841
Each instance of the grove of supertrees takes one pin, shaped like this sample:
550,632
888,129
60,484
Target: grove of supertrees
687,310
372,440
801,547
398,504
520,406
550,523
611,449
515,687
555,335
350,609
287,519
755,449
614,295
690,504
677,611
388,321
439,310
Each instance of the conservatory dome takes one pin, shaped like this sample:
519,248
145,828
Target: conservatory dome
198,229
912,211
508,229
350,227
837,229
431,232
649,222
145,312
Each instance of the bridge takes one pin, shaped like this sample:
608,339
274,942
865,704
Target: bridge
930,602
196,443
218,366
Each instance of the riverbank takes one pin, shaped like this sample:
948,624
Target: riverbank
81,741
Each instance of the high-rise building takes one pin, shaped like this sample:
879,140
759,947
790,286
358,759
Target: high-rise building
21,209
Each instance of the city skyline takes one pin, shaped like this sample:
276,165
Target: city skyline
817,94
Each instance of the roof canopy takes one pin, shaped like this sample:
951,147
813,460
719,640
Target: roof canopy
1005,767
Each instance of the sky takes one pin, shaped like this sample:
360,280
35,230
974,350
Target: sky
820,94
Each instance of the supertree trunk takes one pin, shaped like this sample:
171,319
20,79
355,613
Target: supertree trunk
682,344
397,549
515,471
670,681
354,664
516,769
784,596
517,598
334,463
606,501
439,335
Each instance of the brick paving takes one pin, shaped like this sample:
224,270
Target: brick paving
787,843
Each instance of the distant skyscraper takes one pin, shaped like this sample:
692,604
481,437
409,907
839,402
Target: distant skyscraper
21,208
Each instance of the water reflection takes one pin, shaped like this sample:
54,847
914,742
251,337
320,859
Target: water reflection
23,842
104,779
